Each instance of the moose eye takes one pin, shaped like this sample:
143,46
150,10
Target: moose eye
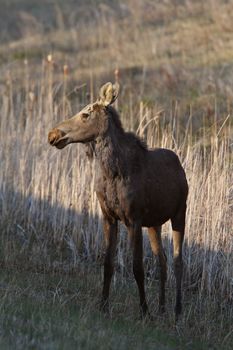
85,116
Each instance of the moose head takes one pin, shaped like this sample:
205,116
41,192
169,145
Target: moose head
89,123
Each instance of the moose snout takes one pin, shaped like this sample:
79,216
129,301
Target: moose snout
54,135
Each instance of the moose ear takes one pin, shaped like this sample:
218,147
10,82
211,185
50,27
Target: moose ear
108,93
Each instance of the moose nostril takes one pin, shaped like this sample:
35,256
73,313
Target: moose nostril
54,135
51,137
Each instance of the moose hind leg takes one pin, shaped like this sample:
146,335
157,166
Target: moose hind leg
157,248
135,233
178,225
110,235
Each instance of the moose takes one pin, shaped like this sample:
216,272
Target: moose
141,187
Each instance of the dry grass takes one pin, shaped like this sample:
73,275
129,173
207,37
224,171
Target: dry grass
174,96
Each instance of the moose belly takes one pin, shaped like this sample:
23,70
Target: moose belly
154,219
154,212
129,205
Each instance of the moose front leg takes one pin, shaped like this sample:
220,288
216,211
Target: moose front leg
135,234
110,236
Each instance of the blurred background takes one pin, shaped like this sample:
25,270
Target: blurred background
166,51
174,63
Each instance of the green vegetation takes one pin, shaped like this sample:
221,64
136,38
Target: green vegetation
60,311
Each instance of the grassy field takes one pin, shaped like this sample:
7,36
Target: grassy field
174,61
60,311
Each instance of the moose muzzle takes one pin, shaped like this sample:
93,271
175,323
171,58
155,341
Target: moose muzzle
54,136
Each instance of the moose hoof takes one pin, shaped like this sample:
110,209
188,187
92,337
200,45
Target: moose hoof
144,313
161,309
104,307
146,317
178,310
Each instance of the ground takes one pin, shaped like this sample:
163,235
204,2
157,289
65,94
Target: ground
60,311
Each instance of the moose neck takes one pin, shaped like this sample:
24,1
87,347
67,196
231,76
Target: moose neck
118,153
110,150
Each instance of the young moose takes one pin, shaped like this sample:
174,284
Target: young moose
138,186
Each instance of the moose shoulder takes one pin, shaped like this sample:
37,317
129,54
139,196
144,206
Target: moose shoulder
137,186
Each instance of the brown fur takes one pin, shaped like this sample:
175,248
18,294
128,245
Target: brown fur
137,186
